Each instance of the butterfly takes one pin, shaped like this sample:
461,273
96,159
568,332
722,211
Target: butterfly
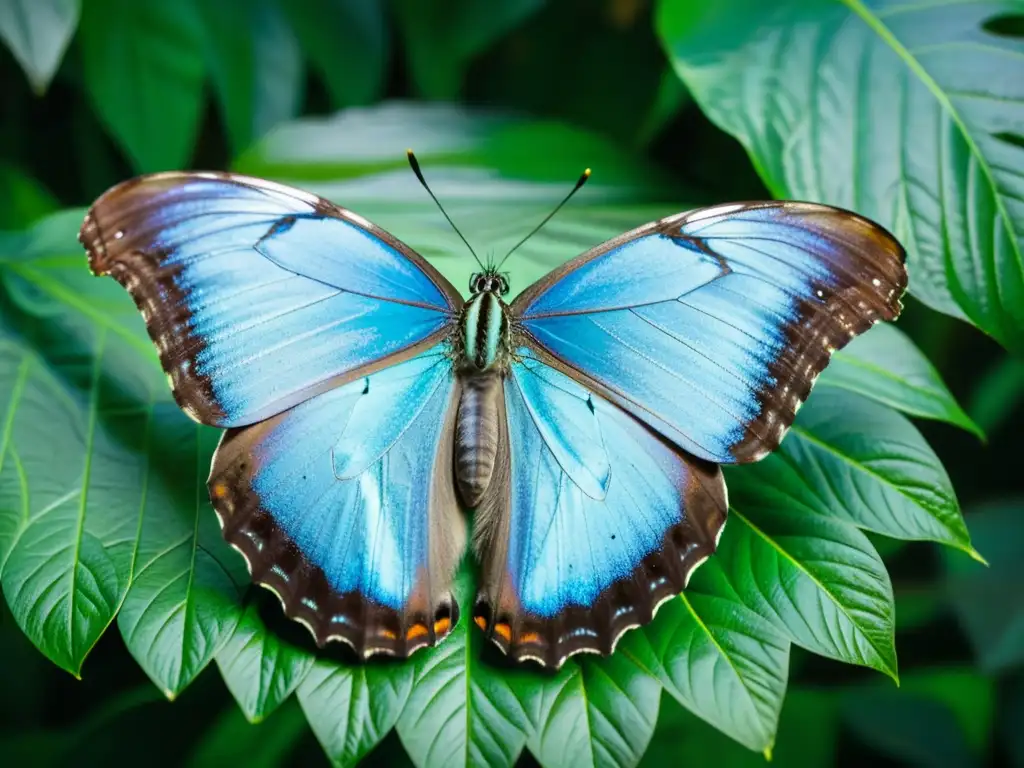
367,405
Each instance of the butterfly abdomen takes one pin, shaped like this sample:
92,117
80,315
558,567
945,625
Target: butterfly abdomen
476,435
484,328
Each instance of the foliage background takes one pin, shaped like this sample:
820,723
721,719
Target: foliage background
911,113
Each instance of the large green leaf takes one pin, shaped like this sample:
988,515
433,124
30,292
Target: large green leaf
133,529
441,36
143,68
819,580
885,365
232,740
71,497
593,713
37,32
721,660
347,42
256,73
25,199
858,461
907,112
989,602
938,717
352,707
461,712
260,668
183,603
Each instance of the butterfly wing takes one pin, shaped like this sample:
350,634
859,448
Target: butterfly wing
344,506
711,326
593,522
259,296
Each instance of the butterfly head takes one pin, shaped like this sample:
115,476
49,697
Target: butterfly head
489,281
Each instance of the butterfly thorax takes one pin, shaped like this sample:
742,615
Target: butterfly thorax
484,325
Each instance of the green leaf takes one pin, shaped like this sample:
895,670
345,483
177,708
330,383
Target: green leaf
808,730
25,199
461,711
938,717
721,660
906,112
261,669
593,712
860,462
818,580
998,392
183,604
145,538
989,602
70,503
885,365
255,64
71,494
441,37
352,708
233,740
347,43
144,71
38,32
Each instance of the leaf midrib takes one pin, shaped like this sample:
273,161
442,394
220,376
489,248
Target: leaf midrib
84,497
875,23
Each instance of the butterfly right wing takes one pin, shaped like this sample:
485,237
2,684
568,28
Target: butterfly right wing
344,506
258,295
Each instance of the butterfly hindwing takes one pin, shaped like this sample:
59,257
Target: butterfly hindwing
593,522
344,506
711,326
259,296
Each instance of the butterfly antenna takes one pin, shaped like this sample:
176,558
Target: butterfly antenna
579,184
419,175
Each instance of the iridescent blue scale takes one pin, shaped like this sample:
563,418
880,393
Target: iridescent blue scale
366,404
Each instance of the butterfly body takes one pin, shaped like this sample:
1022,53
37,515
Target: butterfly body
368,405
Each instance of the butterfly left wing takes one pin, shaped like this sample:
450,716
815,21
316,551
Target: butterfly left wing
344,507
711,326
592,521
258,295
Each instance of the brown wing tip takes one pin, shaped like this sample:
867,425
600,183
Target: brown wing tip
368,629
91,239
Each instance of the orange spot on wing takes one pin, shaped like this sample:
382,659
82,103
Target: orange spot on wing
416,630
441,626
388,634
220,490
481,622
529,637
504,630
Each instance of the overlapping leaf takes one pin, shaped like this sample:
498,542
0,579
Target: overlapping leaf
906,112
143,68
37,32
152,547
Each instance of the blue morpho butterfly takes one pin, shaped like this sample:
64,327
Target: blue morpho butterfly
365,400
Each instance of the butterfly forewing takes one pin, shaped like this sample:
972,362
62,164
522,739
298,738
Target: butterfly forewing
720,362
257,295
